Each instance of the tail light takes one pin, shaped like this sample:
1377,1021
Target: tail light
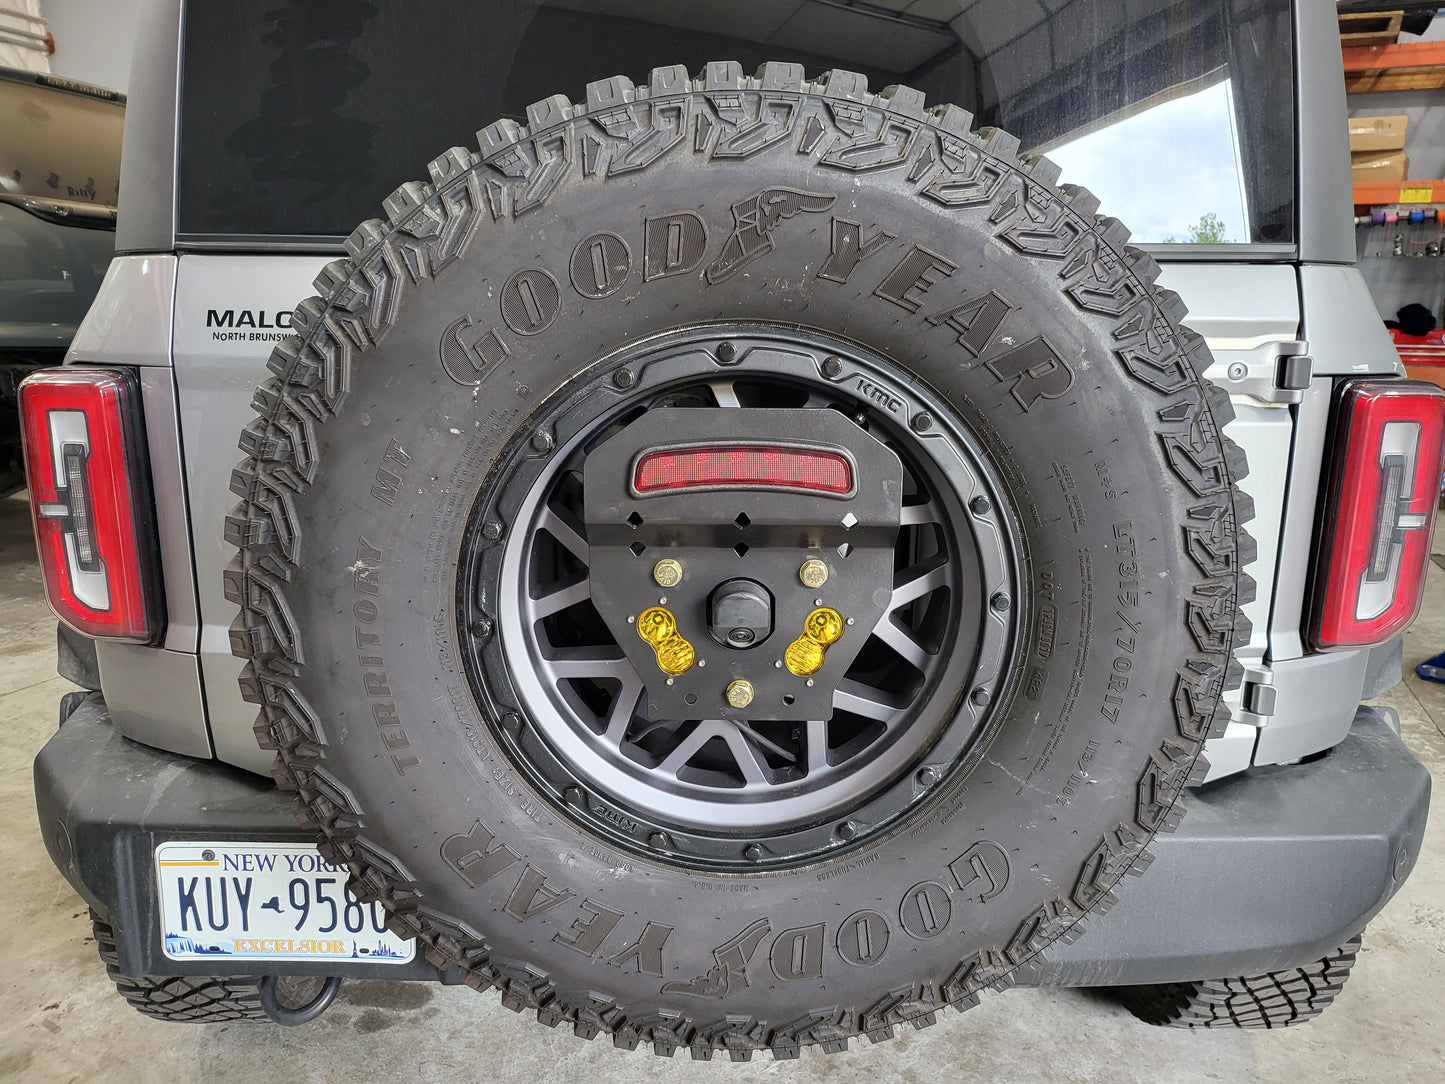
1379,513
83,463
743,466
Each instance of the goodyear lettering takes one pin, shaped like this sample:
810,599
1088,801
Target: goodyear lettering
849,247
917,273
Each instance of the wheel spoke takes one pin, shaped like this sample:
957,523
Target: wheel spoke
817,739
914,515
591,662
763,743
748,756
901,641
686,749
913,583
624,707
561,597
866,701
567,535
724,393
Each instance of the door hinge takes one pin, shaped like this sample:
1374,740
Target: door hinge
1257,696
1274,372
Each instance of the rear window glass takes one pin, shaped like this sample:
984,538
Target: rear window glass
298,117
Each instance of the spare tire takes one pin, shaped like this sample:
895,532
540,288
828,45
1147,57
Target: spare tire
739,563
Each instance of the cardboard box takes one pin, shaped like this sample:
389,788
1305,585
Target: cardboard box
1377,133
1379,166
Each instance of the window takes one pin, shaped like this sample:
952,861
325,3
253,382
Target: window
298,118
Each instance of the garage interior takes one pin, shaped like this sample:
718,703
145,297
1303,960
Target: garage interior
61,1020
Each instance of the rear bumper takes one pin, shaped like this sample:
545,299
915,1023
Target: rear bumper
105,802
1269,870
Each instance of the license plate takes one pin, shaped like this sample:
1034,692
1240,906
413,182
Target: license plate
266,901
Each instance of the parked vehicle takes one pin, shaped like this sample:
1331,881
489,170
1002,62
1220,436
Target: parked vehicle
734,561
59,180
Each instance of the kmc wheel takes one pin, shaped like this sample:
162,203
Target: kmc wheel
741,563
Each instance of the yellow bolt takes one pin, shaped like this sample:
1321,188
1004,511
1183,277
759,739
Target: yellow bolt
814,573
667,573
804,656
740,693
658,627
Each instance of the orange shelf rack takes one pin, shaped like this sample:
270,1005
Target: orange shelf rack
1412,66
1377,193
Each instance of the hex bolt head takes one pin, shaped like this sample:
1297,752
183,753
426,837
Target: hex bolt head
726,353
1238,370
753,853
921,422
667,572
624,378
927,776
542,441
832,368
481,627
980,696
1000,602
980,505
658,841
813,573
511,721
572,794
491,530
846,830
739,692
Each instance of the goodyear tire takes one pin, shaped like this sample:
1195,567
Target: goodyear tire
954,302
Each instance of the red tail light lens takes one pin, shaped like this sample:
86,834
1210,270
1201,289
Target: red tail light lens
743,466
80,429
1380,512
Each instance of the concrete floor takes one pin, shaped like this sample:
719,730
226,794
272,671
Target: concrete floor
60,1019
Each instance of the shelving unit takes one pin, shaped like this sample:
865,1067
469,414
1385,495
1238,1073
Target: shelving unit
1413,66
1378,193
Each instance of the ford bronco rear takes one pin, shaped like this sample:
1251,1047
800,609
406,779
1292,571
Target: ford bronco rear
718,488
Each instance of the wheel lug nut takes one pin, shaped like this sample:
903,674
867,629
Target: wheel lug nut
753,853
667,573
813,573
740,692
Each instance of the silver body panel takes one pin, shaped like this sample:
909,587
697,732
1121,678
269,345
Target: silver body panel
154,696
1242,311
216,374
